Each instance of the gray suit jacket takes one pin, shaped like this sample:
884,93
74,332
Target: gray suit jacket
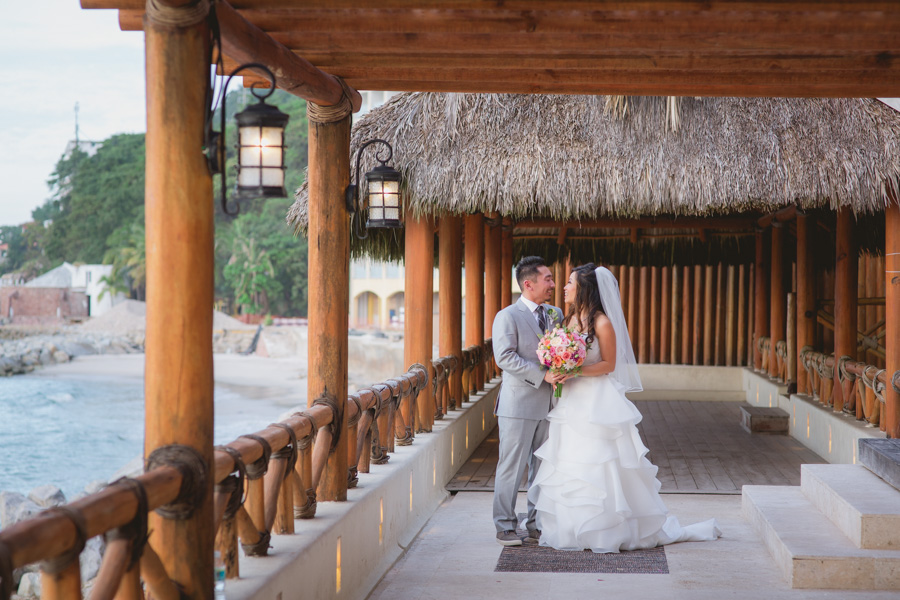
524,394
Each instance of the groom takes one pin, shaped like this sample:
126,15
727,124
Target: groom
525,395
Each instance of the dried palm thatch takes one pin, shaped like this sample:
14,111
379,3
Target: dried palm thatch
582,157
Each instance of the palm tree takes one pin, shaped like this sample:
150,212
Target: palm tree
250,270
129,273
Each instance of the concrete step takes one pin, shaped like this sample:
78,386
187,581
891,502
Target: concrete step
809,549
762,419
882,457
861,504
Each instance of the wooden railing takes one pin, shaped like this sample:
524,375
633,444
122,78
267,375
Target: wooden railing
263,481
862,384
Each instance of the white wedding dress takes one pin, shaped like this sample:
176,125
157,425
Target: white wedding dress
595,488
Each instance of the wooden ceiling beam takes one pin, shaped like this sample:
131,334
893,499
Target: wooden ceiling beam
244,42
574,225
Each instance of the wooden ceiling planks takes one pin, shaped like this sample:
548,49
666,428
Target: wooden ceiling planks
661,47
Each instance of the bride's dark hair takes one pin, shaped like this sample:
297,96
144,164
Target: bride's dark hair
587,300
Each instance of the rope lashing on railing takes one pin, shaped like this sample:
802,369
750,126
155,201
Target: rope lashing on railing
895,382
57,564
233,484
378,454
421,380
308,510
136,529
194,473
843,374
258,468
6,573
190,14
396,416
825,370
328,399
289,451
353,421
260,548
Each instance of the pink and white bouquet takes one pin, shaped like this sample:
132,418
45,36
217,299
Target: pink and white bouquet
562,351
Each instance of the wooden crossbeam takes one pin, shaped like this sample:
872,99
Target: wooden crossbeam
744,223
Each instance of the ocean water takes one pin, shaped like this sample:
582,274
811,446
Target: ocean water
71,431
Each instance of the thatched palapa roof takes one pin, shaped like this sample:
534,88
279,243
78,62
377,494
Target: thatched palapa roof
584,157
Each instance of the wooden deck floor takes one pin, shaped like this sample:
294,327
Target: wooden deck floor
698,446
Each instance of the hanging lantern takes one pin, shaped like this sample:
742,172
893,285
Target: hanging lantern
261,151
382,201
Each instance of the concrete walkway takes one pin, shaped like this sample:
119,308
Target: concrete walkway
455,554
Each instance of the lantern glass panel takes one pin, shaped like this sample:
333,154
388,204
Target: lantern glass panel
248,177
392,200
273,177
376,213
391,187
392,214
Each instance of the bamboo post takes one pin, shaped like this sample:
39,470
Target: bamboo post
708,316
474,233
644,315
178,383
419,306
776,296
676,316
719,353
506,264
633,294
655,302
329,287
730,317
65,585
663,318
741,326
450,298
845,301
892,315
751,312
806,295
130,585
687,318
761,298
492,266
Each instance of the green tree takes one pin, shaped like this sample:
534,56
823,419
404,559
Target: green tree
128,256
249,270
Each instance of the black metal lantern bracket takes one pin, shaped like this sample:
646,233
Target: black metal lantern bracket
215,140
355,204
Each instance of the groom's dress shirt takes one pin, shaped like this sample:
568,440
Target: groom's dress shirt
533,308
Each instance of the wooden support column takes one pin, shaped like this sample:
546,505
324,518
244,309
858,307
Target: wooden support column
742,302
687,314
719,333
559,274
845,301
761,298
474,226
178,383
730,317
644,316
806,296
329,285
776,297
506,263
697,342
450,297
892,315
418,299
492,265
675,310
633,294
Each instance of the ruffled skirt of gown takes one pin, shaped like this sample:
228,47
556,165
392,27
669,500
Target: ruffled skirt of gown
595,488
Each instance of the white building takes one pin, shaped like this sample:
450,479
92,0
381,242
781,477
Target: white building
82,278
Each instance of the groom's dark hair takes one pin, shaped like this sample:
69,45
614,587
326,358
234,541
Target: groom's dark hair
528,268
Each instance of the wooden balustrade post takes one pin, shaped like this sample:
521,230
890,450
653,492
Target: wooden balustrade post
506,264
178,383
644,315
474,233
492,267
450,298
761,298
329,285
65,585
776,296
663,316
892,316
845,301
419,303
806,295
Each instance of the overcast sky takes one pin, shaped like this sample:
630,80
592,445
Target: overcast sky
52,55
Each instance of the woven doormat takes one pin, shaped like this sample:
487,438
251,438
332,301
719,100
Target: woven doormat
541,559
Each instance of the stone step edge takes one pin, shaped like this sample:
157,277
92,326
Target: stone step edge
824,558
867,530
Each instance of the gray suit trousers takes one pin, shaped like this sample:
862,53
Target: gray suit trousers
519,438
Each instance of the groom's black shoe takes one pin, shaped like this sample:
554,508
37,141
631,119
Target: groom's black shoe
508,538
533,538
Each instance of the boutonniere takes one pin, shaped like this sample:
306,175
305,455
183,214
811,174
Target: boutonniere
552,313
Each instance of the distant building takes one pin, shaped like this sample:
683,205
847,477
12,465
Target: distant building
85,279
22,305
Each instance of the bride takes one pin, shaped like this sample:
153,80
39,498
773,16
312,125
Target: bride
595,488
